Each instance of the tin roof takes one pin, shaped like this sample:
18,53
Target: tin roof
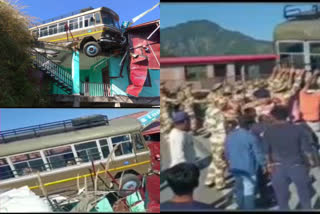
143,24
198,60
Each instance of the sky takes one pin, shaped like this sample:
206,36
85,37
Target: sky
21,117
126,9
253,19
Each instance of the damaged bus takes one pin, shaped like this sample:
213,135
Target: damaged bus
63,152
94,30
297,40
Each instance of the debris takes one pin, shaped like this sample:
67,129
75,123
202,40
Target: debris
26,200
104,206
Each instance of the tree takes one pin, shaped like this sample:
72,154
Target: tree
17,87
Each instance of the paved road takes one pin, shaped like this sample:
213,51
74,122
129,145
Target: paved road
223,199
202,193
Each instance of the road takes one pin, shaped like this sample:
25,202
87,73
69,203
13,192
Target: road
224,199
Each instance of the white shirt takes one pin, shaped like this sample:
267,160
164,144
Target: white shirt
181,147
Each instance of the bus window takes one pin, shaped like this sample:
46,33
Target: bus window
290,47
292,54
104,147
53,29
81,22
125,145
87,151
59,157
107,19
44,32
315,55
5,170
98,18
28,163
62,27
139,142
88,20
117,24
73,24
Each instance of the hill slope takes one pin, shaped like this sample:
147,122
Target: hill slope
201,38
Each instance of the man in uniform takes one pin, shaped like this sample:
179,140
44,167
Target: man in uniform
215,124
165,119
232,109
188,106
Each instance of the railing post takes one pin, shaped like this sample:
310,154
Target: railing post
76,73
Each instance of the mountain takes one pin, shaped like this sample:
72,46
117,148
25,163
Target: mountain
203,38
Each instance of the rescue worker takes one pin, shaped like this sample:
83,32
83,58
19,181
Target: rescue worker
232,109
165,119
215,124
188,106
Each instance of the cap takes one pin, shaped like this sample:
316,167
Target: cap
227,89
179,117
216,86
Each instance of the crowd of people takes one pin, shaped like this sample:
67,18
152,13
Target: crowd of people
260,131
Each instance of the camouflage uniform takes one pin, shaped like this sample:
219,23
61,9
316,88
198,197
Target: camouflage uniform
231,110
165,119
215,124
249,89
188,106
292,89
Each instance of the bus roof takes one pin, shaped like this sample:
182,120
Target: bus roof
115,127
297,30
66,17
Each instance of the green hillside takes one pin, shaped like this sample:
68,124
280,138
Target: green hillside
202,38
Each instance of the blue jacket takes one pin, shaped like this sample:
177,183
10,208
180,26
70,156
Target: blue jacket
243,150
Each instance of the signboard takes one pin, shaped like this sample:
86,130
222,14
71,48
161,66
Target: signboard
150,117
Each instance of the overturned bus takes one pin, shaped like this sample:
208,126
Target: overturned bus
63,152
297,40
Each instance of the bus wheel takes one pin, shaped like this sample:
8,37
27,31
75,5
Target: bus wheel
129,182
92,49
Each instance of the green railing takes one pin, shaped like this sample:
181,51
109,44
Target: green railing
61,76
95,89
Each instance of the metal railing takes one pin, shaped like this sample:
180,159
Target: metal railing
95,89
294,12
60,75
40,130
66,15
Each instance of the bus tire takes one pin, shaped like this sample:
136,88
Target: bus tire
92,49
129,181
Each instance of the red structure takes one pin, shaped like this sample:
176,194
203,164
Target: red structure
144,42
153,181
201,60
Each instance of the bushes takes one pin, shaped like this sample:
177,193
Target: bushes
16,88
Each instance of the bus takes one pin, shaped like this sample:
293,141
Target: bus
95,31
297,40
63,152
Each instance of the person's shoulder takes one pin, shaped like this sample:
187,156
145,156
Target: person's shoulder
165,204
201,205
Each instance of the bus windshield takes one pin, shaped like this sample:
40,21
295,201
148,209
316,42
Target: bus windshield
109,20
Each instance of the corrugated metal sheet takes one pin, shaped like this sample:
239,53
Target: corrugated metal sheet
146,54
